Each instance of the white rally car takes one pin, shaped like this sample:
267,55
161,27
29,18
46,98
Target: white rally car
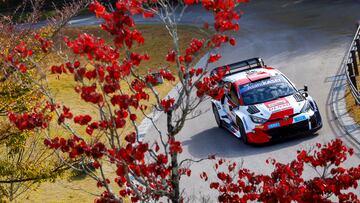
261,104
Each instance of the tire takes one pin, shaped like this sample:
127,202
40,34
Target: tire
319,123
318,119
219,122
242,131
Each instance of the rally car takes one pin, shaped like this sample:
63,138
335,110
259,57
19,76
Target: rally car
261,104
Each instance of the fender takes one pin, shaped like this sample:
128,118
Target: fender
242,117
316,112
312,103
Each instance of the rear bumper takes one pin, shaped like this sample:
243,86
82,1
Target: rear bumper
312,124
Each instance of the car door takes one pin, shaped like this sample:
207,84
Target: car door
231,102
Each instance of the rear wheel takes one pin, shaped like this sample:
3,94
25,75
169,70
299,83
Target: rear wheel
218,120
242,131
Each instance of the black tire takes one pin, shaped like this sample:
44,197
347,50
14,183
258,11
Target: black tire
219,122
319,123
318,117
242,131
318,120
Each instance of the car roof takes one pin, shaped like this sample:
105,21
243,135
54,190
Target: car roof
252,75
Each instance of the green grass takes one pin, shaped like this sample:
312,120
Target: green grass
157,44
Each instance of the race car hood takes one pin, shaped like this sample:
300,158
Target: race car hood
276,109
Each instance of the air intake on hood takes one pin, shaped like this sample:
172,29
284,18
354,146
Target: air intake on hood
298,97
253,109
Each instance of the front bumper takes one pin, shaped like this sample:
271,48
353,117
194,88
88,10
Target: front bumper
312,123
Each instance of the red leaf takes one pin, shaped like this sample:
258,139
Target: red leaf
189,2
148,14
133,117
213,58
171,56
232,41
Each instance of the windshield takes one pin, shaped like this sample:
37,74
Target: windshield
266,90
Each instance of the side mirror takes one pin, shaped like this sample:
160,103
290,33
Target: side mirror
305,88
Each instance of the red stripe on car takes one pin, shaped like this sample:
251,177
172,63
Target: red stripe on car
258,137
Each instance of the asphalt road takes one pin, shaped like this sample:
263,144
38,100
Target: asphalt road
306,40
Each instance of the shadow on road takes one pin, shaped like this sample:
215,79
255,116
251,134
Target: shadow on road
220,142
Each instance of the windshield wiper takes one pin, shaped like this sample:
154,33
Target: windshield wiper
285,95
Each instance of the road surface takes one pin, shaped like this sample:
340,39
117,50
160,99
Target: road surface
306,40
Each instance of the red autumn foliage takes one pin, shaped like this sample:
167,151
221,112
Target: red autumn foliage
166,104
66,114
99,85
167,75
213,58
45,44
133,117
58,69
22,49
286,184
29,121
93,48
82,119
175,146
171,56
146,172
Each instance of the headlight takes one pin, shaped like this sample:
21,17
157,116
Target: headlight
256,119
306,107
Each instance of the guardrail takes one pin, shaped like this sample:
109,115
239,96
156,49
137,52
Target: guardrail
351,63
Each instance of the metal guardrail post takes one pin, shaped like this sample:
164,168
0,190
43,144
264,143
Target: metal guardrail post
351,74
354,61
357,43
350,65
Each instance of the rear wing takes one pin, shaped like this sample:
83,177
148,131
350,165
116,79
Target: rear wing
240,66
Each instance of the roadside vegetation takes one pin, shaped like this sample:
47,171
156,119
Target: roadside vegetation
24,156
77,188
24,162
46,9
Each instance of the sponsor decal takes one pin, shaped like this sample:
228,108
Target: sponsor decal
278,105
255,85
274,125
299,118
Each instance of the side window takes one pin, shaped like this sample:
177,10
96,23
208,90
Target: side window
233,95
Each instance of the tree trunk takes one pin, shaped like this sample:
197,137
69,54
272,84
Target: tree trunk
175,178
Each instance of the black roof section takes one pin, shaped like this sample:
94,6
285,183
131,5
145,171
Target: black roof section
241,66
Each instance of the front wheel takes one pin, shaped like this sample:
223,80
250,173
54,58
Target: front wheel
318,119
217,116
